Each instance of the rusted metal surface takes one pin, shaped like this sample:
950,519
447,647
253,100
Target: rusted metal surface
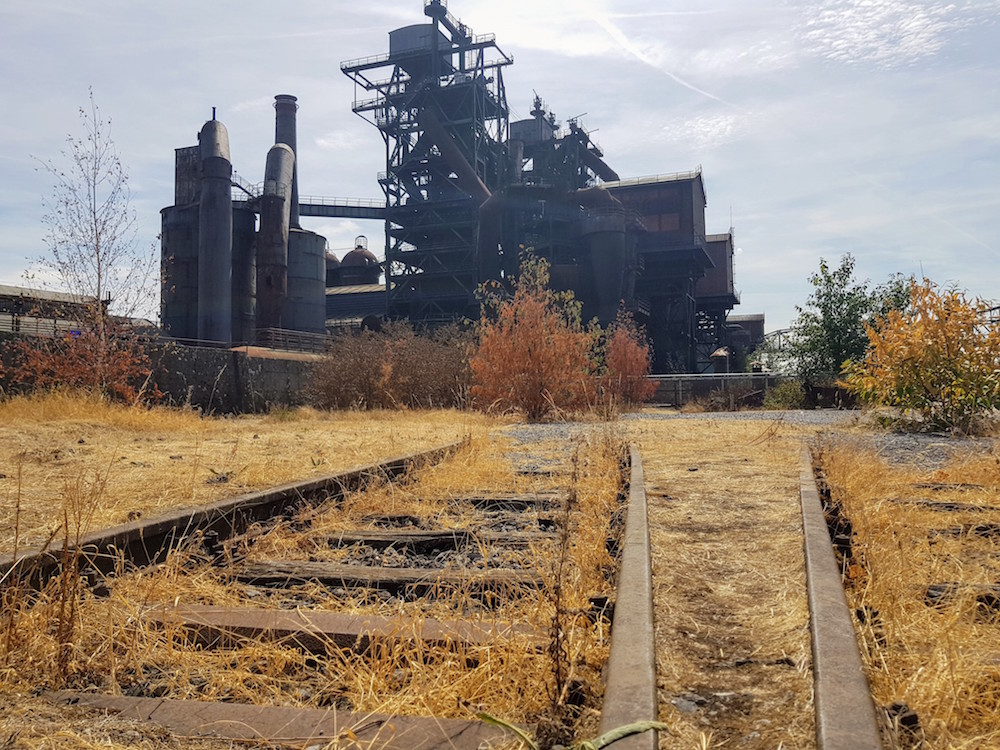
317,631
298,727
845,713
417,580
430,541
630,691
148,541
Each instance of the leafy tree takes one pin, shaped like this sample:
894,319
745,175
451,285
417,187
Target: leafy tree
938,359
830,329
533,353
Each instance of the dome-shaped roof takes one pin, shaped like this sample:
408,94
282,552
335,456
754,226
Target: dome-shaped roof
359,256
331,261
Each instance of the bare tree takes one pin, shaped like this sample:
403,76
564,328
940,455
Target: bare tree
94,253
92,234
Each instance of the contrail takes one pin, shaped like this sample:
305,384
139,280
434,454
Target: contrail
619,36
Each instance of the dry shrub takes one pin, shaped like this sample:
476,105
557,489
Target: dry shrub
533,355
938,360
394,368
938,661
107,360
627,363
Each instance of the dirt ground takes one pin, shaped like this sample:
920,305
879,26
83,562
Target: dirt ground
733,649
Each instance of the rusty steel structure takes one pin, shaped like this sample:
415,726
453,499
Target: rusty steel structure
465,193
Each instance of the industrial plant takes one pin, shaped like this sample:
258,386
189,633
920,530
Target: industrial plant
466,191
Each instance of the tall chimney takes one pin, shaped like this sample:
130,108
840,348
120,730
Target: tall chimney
284,132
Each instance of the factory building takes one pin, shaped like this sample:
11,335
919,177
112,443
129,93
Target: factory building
465,192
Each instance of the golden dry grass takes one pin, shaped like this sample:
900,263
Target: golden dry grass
729,582
942,662
146,461
114,648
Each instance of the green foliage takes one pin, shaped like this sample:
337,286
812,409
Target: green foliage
788,394
618,733
830,329
938,360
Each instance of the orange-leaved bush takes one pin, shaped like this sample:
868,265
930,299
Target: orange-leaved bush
109,362
939,361
533,355
627,362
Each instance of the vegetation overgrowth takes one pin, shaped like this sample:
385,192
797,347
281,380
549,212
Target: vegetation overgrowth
394,368
536,357
937,362
930,658
69,637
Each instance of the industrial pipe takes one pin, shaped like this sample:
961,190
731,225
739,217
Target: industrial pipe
272,239
468,180
215,236
285,132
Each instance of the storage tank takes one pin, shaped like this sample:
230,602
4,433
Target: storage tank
272,241
179,271
244,275
305,305
215,236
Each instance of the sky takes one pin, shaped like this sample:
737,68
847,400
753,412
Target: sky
822,127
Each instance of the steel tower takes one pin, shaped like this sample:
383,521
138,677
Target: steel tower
439,101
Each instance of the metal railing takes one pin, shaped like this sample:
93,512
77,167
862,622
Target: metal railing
320,200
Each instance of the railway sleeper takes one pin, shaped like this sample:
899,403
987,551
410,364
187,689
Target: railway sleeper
318,632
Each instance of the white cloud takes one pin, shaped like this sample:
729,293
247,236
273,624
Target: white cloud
885,33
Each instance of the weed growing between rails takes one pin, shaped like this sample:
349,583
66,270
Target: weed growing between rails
931,659
116,646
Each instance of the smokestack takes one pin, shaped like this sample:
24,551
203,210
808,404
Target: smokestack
272,240
284,132
215,236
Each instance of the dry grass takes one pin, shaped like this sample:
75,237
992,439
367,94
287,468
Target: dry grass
115,649
733,649
942,662
145,461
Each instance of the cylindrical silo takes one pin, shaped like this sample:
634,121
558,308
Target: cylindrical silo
285,132
244,275
179,271
272,240
215,236
305,307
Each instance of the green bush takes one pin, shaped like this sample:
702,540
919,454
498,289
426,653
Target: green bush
788,394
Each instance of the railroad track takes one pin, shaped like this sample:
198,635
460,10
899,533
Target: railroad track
448,578
443,579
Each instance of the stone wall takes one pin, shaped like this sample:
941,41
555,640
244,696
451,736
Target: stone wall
220,380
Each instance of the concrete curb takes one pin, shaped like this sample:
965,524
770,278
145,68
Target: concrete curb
147,541
845,712
630,689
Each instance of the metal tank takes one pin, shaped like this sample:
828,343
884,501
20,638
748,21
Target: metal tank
272,240
215,236
244,275
305,304
179,270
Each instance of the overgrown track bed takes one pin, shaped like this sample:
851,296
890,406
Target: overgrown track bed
385,617
917,537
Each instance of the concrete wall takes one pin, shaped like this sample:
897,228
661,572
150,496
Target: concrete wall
223,380
218,380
